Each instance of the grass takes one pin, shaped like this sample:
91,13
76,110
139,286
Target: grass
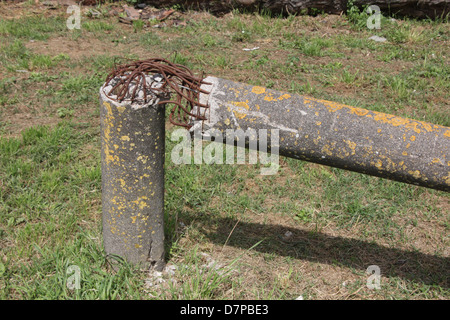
231,233
33,27
15,56
309,47
100,26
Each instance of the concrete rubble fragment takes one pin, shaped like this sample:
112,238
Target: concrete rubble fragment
378,39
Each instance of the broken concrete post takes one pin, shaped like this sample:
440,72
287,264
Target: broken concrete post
333,134
132,161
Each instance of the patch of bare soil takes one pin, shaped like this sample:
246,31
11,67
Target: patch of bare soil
17,122
75,49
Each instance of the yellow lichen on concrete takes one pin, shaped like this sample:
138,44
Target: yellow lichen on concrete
120,205
258,90
351,145
142,158
237,93
327,150
242,106
108,125
413,126
270,97
389,118
379,164
391,165
447,179
436,160
330,105
409,124
358,111
416,174
426,126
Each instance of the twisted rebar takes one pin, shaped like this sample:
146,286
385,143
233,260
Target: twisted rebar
129,83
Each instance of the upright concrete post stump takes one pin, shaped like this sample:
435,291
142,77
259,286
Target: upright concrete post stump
132,104
132,163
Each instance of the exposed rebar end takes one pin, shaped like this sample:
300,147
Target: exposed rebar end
145,82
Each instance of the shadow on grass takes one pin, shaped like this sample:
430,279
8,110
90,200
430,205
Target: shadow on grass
319,247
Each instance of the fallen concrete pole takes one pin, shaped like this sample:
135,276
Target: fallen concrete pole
333,134
133,144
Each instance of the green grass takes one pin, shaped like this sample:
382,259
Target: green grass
309,47
205,278
225,224
46,194
33,27
150,39
77,89
15,56
99,26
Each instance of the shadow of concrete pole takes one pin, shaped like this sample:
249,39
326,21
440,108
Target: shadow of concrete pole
332,134
132,164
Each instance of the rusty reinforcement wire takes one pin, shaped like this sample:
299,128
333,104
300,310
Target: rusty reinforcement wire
141,81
